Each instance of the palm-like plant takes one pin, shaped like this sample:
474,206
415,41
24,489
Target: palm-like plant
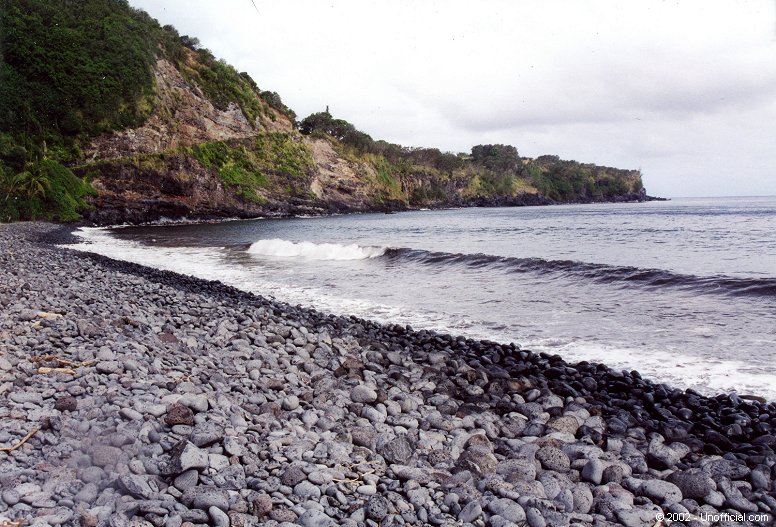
30,184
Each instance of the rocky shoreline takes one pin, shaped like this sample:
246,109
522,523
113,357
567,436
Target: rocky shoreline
150,211
151,398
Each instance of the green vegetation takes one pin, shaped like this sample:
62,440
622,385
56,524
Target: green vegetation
70,71
45,189
223,85
569,180
254,164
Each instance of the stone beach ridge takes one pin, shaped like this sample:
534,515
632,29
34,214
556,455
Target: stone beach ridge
157,399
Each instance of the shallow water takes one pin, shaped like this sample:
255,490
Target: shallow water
683,291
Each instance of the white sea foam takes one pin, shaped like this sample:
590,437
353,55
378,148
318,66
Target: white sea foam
314,251
705,375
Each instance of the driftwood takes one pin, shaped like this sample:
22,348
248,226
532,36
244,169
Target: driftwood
63,365
20,443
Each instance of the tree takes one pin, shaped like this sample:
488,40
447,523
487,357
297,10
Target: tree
496,157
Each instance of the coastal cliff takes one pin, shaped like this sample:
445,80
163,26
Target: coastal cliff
153,125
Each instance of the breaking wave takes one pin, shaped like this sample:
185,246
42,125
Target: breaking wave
314,251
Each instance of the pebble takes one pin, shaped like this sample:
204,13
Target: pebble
470,512
131,414
593,471
553,458
10,497
376,508
292,475
661,492
307,491
290,403
397,451
315,518
206,496
66,404
219,517
179,414
367,490
363,394
253,415
535,518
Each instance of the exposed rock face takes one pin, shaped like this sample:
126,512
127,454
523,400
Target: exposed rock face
147,173
338,180
182,116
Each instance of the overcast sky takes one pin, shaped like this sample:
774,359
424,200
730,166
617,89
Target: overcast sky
685,91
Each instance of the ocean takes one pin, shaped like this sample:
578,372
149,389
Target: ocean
684,291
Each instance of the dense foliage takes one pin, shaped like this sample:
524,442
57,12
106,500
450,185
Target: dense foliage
68,70
72,70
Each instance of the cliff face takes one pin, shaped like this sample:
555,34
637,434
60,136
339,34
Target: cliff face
182,116
155,126
192,159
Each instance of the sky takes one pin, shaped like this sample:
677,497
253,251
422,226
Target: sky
683,90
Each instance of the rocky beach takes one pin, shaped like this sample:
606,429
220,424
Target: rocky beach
132,396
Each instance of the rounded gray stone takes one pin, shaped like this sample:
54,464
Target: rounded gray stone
593,471
290,403
470,512
219,517
314,518
363,394
11,497
307,491
535,518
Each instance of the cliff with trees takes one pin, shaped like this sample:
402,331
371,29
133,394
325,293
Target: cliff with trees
106,114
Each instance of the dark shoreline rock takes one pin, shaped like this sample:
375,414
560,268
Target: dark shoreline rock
149,211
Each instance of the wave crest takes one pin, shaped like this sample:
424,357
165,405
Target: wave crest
601,273
314,251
